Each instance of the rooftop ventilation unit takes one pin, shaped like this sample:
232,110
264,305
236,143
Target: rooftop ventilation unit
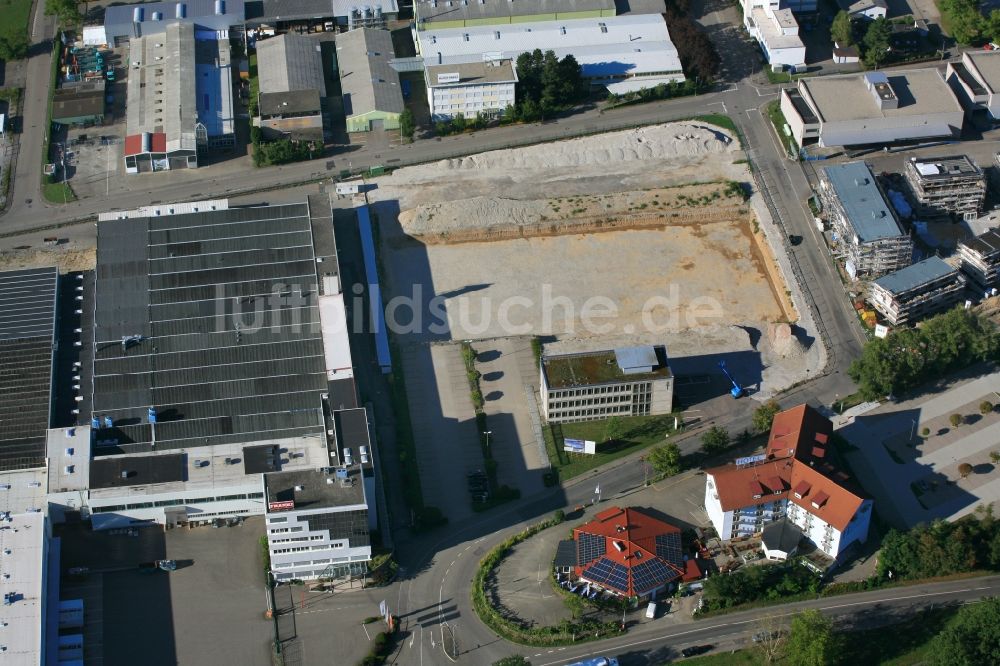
180,10
137,14
220,7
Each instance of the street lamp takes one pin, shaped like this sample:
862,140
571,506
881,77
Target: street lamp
487,433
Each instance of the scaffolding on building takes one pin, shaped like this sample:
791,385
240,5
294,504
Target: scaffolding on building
946,187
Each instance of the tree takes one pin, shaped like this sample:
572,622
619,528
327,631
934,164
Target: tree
763,416
965,469
955,420
972,637
877,41
407,126
842,30
985,407
68,11
14,47
812,640
925,432
715,440
991,25
614,429
964,19
995,456
516,660
666,460
768,638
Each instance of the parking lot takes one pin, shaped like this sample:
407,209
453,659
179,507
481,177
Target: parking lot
916,477
209,611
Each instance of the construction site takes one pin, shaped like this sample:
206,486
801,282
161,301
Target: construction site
637,237
946,187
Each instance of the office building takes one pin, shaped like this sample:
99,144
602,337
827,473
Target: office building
918,291
792,485
588,386
469,89
946,187
622,53
775,28
980,257
872,108
868,236
180,98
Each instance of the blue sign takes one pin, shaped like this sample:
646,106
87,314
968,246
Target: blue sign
573,445
151,414
750,460
108,423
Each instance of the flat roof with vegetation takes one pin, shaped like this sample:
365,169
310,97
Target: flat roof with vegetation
590,368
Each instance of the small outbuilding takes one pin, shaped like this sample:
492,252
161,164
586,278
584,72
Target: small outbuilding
780,540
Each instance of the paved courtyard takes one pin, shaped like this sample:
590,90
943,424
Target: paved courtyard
916,477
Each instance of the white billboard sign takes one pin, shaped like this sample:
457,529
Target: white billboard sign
580,446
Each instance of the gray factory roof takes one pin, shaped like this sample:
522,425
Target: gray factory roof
137,470
916,275
119,20
985,244
844,97
351,426
367,80
867,211
79,101
345,489
27,330
223,305
262,11
290,62
288,103
479,10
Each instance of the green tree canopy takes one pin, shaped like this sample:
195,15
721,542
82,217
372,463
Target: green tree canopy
14,47
407,126
666,459
68,11
763,416
942,548
812,640
876,42
971,638
842,30
515,660
964,19
715,440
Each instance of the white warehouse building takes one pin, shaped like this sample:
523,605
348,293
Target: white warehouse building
623,53
872,108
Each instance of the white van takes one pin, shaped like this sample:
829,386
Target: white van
651,610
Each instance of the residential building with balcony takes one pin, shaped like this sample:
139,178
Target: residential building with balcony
773,25
946,187
629,381
918,291
869,238
791,481
980,258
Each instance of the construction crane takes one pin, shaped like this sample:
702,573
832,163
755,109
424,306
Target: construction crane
737,391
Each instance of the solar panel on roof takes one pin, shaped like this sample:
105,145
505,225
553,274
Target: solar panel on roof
589,547
668,547
608,573
650,575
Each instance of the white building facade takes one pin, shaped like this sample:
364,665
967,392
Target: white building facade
470,89
776,30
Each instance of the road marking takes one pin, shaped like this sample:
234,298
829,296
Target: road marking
366,632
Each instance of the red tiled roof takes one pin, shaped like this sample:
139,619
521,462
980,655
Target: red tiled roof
133,144
157,143
691,571
794,462
630,540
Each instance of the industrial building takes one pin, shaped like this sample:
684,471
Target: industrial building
774,27
871,108
27,340
793,485
626,552
622,53
318,520
918,291
868,236
946,187
180,98
125,22
292,87
976,81
216,344
588,386
470,88
370,86
79,104
269,16
980,258
444,14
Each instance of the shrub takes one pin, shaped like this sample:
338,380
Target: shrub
985,407
925,432
955,420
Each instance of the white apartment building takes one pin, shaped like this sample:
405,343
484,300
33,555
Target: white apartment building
774,27
790,481
469,89
921,290
588,386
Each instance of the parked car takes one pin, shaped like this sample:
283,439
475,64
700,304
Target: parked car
696,650
651,610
